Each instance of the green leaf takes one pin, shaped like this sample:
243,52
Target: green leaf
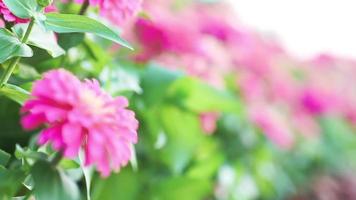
120,79
4,158
41,38
15,93
53,184
68,164
124,185
10,182
184,134
178,188
22,8
199,97
69,40
10,46
21,153
69,23
155,83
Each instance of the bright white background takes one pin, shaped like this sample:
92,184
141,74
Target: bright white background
305,27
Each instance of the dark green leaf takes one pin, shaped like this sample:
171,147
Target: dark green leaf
69,40
15,93
4,158
68,23
10,46
53,184
10,182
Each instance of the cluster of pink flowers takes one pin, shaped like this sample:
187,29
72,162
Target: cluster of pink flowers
284,96
116,11
78,115
8,16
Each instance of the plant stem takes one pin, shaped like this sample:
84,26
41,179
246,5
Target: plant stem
84,7
12,65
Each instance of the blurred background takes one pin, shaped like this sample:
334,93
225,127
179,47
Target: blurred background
271,86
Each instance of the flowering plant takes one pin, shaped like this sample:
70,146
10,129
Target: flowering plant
162,99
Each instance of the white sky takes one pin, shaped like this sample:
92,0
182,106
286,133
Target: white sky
305,27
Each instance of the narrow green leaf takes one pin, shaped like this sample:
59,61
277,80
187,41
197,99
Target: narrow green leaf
4,157
69,23
15,93
22,8
10,46
41,38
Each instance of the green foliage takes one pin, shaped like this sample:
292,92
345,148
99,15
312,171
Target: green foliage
10,46
51,183
189,92
4,158
40,38
15,93
10,183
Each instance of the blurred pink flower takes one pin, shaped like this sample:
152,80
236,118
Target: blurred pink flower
273,125
152,38
305,124
79,115
315,101
117,11
8,16
2,23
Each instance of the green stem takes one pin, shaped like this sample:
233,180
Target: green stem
84,8
12,65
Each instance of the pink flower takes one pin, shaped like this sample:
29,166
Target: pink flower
79,115
2,23
117,11
8,16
